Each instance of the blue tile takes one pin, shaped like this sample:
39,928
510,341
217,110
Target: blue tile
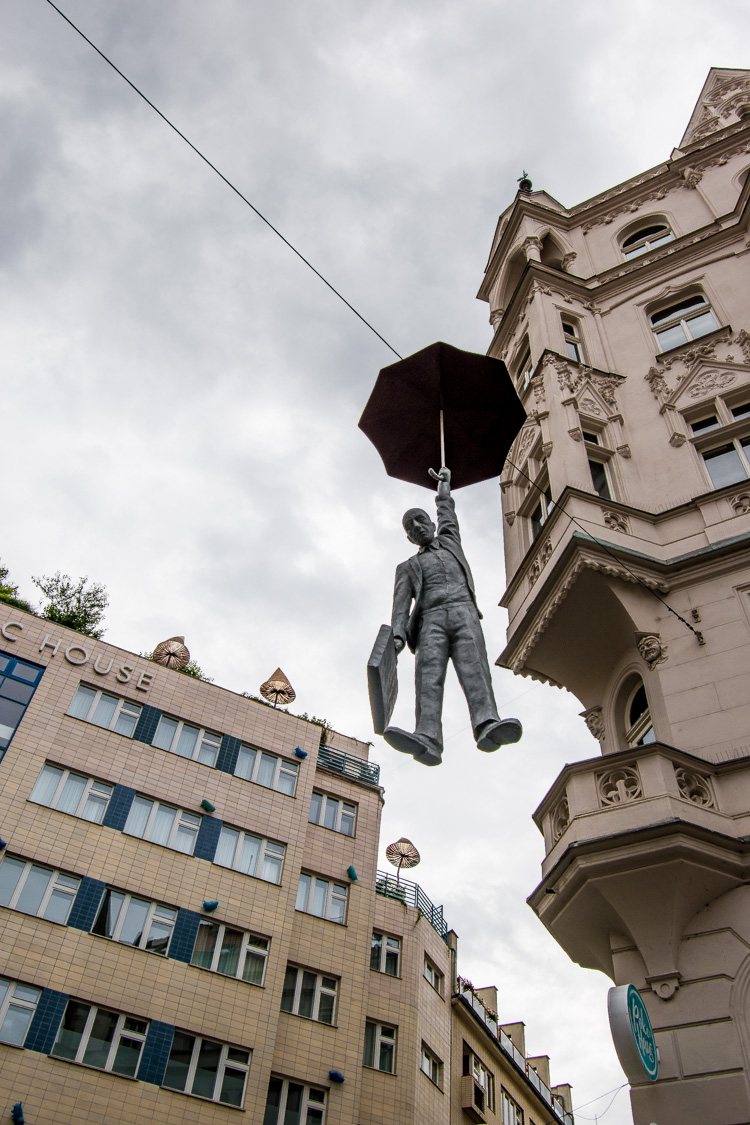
118,807
228,753
156,1052
208,838
46,1020
86,904
147,724
183,938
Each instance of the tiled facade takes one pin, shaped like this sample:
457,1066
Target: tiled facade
125,863
625,322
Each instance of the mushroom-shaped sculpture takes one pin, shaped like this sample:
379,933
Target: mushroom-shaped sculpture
171,653
402,854
278,689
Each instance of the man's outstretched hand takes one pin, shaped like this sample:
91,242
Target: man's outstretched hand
444,474
398,644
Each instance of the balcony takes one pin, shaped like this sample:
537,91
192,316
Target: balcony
411,894
357,769
504,1043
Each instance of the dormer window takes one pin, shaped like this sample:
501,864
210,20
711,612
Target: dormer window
645,239
688,319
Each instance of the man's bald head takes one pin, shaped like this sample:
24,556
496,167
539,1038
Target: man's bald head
418,526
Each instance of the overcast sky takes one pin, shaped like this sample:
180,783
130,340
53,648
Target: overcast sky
180,394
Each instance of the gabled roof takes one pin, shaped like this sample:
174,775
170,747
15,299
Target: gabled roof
724,93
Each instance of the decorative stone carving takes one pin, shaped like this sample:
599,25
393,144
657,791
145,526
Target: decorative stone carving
616,521
595,722
510,517
546,449
625,451
590,407
657,382
527,437
665,986
537,385
695,787
568,260
741,503
691,176
532,248
651,648
743,339
540,561
677,439
496,316
619,786
559,819
576,433
711,381
632,205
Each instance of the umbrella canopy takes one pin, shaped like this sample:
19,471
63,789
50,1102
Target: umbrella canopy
481,410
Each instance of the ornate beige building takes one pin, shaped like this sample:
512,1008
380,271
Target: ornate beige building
625,322
192,923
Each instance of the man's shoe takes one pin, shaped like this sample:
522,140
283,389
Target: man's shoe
420,748
497,734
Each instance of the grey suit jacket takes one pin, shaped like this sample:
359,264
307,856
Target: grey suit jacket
406,620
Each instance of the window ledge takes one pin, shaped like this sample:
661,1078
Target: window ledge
214,973
206,1101
310,1019
390,976
335,831
97,1069
309,915
387,1073
432,1081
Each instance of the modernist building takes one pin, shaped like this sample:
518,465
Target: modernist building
192,923
625,321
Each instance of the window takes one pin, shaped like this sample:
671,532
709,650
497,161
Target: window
510,1111
541,512
524,366
72,793
599,479
187,741
233,953
162,824
385,954
37,890
250,854
380,1047
103,710
572,336
207,1069
433,975
322,897
135,921
741,411
728,464
97,1037
639,728
483,1080
18,682
330,812
431,1066
703,425
689,319
17,1006
587,435
309,994
291,1103
266,769
645,239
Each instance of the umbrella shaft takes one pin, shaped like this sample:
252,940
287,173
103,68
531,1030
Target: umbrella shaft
442,442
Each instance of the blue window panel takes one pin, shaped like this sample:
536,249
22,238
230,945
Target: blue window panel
118,807
44,1026
147,724
86,904
156,1052
18,682
184,935
208,838
228,754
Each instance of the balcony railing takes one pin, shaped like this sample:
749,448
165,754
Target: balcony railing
411,894
504,1042
348,765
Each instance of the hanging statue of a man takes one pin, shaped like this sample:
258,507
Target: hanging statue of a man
435,613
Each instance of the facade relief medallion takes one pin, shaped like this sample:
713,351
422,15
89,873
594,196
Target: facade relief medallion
625,451
616,521
694,787
559,819
619,786
651,648
711,381
741,503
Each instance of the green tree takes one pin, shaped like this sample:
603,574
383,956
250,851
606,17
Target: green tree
73,603
9,592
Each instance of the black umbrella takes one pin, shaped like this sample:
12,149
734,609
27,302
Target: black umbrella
443,403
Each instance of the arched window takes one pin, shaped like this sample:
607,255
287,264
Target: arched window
551,253
686,319
645,239
639,729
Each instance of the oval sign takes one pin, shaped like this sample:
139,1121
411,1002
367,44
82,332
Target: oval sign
632,1033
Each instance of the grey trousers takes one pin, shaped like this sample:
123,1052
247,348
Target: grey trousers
452,632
